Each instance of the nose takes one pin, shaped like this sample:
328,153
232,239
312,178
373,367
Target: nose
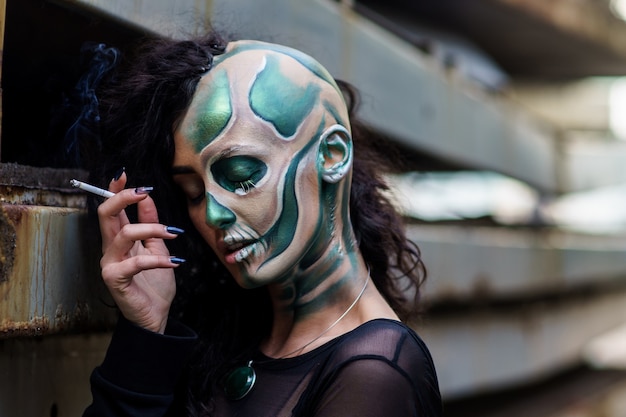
217,215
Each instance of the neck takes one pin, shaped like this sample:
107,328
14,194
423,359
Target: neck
308,304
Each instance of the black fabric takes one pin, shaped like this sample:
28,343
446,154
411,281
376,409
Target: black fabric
140,370
381,368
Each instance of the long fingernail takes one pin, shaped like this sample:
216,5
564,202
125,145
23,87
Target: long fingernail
143,190
174,230
118,173
178,261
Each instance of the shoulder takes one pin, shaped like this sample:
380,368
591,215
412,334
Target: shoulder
383,339
390,347
379,359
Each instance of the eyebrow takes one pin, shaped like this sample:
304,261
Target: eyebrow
180,170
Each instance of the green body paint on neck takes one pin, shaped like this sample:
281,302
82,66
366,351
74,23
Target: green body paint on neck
213,110
278,100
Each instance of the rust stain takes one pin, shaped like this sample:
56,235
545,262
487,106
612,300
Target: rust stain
37,326
35,197
15,294
76,319
8,237
40,292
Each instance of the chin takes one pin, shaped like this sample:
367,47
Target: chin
256,275
247,277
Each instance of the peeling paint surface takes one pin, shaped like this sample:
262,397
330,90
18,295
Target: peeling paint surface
50,280
7,245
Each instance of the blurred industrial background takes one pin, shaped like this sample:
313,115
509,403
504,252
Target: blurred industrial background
510,116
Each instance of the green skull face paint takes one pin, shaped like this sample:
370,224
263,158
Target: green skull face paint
248,157
212,123
280,101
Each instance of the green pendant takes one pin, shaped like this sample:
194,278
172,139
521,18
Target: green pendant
239,382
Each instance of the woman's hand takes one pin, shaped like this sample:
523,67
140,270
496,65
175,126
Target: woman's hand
136,265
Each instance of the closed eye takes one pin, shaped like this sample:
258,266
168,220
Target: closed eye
238,174
244,187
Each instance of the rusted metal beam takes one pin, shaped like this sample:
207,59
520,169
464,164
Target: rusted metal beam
49,278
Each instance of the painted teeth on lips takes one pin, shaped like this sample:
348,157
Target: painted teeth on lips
239,251
236,249
244,253
236,246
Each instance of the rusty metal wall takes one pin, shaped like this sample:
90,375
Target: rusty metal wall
49,275
49,281
54,310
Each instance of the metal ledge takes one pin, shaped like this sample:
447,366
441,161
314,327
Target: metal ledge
49,277
482,264
591,164
481,351
528,38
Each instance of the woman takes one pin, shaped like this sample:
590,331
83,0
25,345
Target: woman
291,247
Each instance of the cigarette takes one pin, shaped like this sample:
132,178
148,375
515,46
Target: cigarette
91,189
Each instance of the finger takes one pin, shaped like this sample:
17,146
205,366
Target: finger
119,274
146,211
157,244
117,185
111,213
116,204
124,241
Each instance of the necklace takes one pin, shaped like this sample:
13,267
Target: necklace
240,381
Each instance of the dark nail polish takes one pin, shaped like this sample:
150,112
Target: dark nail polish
143,190
174,230
177,261
118,173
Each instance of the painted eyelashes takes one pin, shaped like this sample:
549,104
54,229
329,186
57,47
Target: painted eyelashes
245,187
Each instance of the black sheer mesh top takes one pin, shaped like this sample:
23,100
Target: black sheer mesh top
381,368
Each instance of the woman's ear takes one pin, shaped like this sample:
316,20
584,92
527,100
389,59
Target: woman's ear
335,153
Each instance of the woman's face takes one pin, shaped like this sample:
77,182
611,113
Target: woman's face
247,158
